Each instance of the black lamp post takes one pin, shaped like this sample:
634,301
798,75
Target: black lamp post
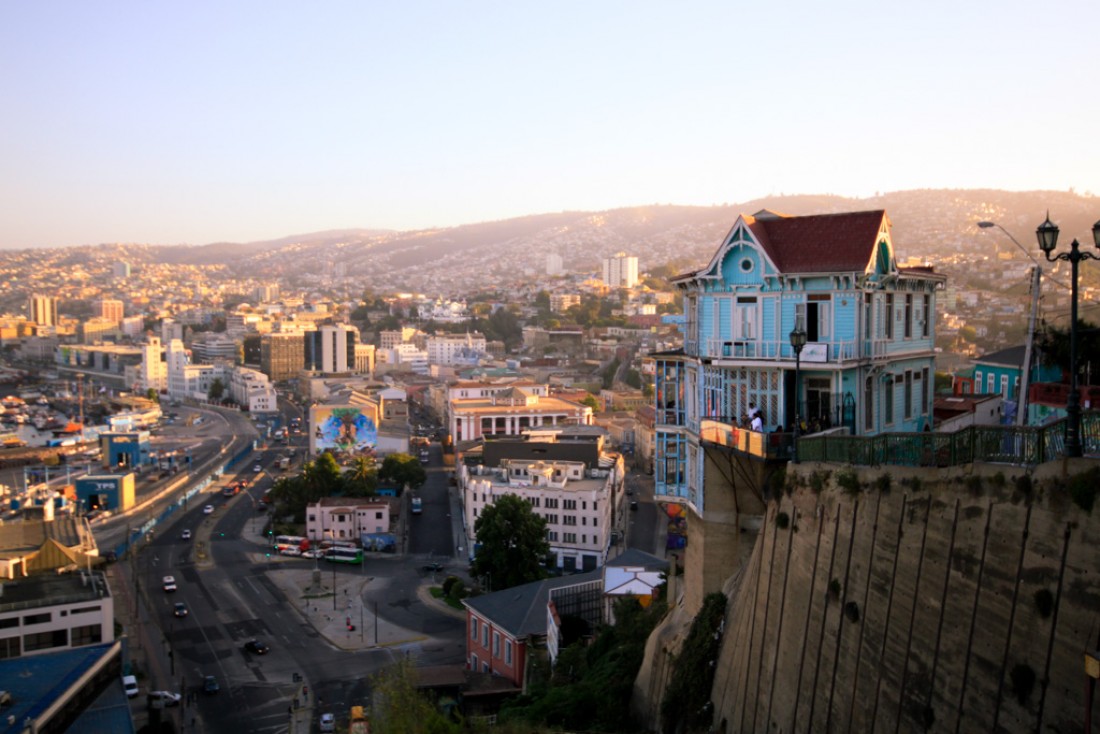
1047,233
798,340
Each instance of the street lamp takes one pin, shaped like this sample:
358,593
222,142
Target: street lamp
798,340
1047,234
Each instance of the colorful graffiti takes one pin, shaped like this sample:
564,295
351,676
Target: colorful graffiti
346,429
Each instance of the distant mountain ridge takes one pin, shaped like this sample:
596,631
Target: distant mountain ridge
926,222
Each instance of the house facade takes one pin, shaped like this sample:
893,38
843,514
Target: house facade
866,368
346,518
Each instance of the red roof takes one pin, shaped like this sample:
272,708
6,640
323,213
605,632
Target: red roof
821,243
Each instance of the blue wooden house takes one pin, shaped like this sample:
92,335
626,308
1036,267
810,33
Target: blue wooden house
868,363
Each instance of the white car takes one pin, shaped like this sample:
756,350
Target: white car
130,685
208,510
169,583
314,553
291,552
185,535
257,468
169,698
328,722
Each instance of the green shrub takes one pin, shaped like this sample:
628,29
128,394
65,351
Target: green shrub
448,583
1083,488
818,481
848,481
1044,602
458,590
1023,681
684,705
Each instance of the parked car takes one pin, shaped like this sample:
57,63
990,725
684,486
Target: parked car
130,685
210,685
185,535
257,468
256,647
327,722
169,698
208,510
169,583
180,609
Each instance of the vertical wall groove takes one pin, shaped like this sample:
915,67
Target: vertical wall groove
943,606
1045,682
1011,619
818,513
767,618
840,616
782,607
752,621
824,617
973,618
863,606
912,618
889,604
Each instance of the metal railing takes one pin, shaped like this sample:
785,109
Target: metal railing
996,444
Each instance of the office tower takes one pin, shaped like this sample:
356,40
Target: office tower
109,309
620,271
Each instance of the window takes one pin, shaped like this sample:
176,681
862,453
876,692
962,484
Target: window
9,622
908,325
888,401
551,503
485,667
473,662
584,505
926,318
569,520
378,516
867,333
313,518
37,618
978,381
551,519
569,537
87,635
473,628
595,505
595,521
496,644
888,322
485,636
869,404
569,505
924,388
552,536
535,501
45,640
9,647
1004,387
908,394
507,652
990,383
84,610
744,321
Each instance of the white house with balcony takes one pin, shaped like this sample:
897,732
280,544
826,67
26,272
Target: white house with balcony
866,367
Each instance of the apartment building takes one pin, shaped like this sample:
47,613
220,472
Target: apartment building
331,348
346,518
42,310
620,271
49,612
282,355
456,349
109,309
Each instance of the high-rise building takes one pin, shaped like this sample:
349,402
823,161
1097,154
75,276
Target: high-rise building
282,355
620,271
42,310
265,293
109,309
553,264
120,269
331,349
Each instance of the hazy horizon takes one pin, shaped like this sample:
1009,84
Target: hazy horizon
200,124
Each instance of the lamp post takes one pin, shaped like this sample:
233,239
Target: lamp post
1047,234
798,340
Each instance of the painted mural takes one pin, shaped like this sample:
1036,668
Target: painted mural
345,429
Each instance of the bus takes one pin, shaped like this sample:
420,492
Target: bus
342,554
282,542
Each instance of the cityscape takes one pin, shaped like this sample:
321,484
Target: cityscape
604,368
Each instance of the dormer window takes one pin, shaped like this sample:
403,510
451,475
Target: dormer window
747,265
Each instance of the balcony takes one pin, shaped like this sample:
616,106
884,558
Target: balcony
755,443
834,352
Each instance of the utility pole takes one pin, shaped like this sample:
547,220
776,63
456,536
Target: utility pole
1025,376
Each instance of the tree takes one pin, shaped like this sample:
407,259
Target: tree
402,469
592,402
217,390
151,394
513,543
362,480
399,706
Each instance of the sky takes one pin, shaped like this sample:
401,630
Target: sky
199,122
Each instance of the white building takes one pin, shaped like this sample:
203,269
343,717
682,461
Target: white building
331,349
346,518
154,368
251,388
554,264
49,612
456,349
620,271
578,505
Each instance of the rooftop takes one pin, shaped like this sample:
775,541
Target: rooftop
52,590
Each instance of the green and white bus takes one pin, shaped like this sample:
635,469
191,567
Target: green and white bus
340,554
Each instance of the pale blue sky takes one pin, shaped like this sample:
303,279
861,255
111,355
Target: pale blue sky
205,121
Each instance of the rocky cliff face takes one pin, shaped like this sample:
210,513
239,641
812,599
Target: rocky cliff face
903,600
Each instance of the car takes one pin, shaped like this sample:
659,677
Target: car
166,697
130,685
633,505
169,583
185,535
257,468
256,647
327,722
210,685
433,567
314,553
296,552
180,609
208,510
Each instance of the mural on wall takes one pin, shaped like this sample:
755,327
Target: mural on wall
345,429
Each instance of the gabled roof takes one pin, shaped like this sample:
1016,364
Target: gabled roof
821,243
1010,357
521,610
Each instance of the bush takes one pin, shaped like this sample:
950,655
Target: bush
1044,602
848,481
458,590
449,582
685,705
818,481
